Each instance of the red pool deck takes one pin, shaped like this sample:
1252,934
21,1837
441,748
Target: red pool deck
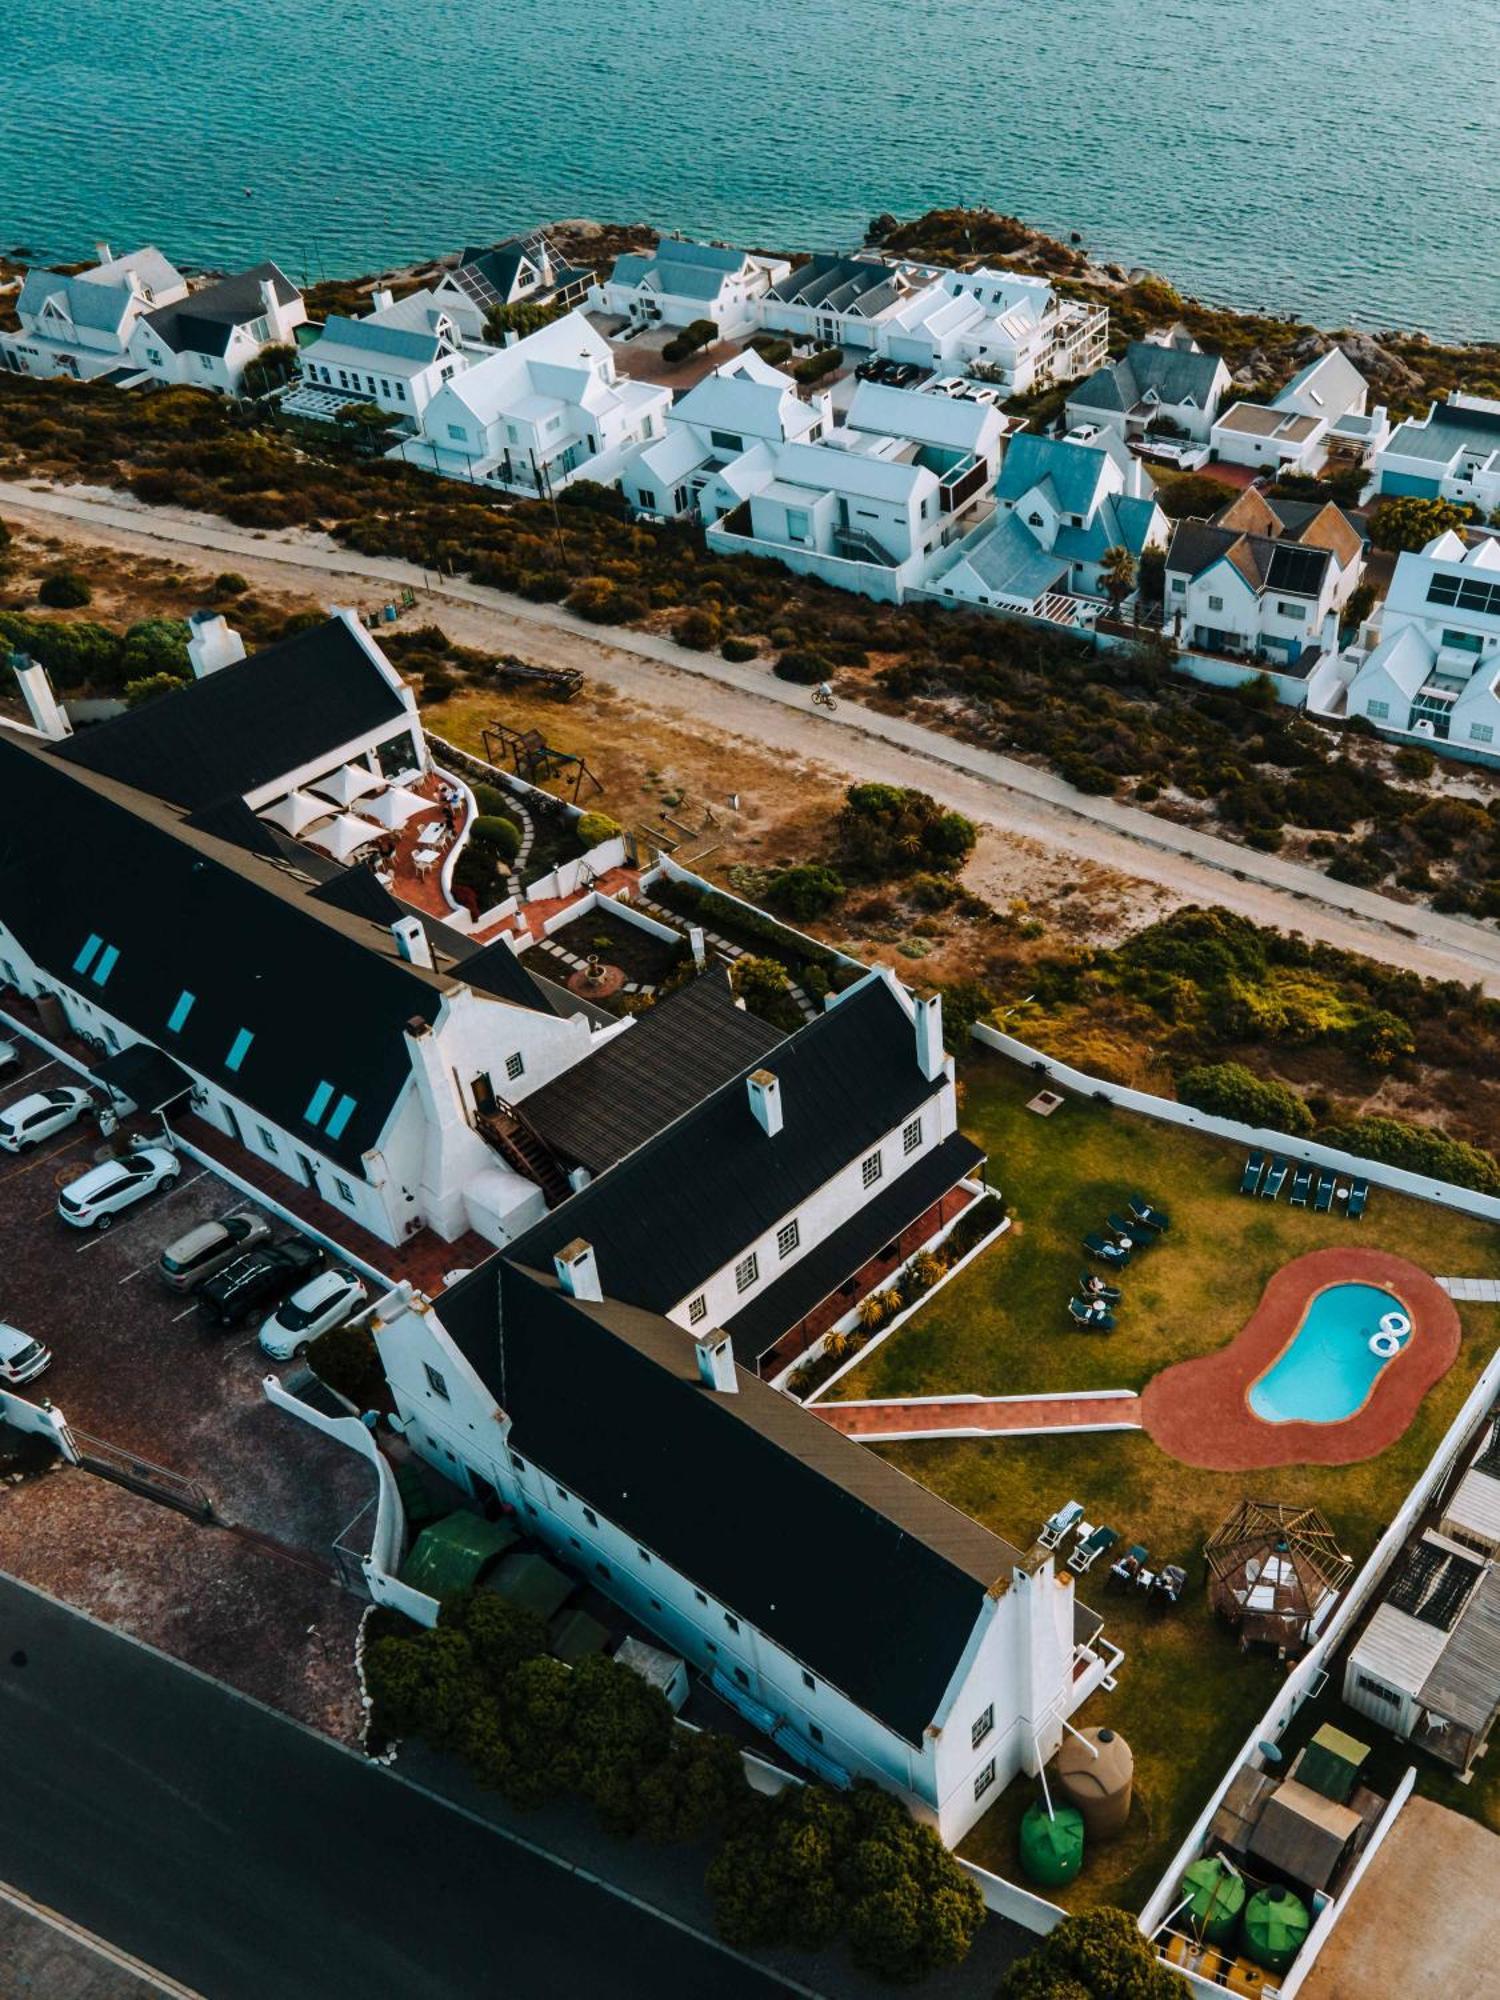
1199,1412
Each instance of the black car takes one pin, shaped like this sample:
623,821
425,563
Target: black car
904,374
258,1281
869,371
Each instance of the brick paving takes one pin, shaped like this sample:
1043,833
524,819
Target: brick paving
992,1415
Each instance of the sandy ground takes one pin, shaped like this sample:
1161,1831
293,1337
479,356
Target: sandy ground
702,690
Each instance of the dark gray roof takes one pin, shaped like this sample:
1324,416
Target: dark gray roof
151,1080
1175,374
495,968
835,282
640,1081
203,322
1265,564
358,891
247,724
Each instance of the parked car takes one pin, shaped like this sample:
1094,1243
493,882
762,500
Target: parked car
10,1057
980,392
97,1197
186,1262
951,385
31,1119
22,1359
325,1301
869,370
904,374
257,1280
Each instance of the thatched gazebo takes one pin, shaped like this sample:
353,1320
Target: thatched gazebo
1274,1571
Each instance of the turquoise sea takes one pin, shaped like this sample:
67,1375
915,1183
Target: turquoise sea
1334,158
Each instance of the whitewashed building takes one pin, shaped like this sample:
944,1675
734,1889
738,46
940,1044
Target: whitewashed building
1162,386
1232,592
208,339
1005,327
842,301
1453,453
1428,665
679,282
81,326
523,270
398,357
688,470
1324,403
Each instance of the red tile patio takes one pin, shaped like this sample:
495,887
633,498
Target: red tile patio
1199,1412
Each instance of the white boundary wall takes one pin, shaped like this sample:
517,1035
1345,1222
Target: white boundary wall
1329,1915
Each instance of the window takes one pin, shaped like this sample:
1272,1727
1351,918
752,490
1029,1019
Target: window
205,361
1464,642
788,1237
648,497
870,1170
731,1621
435,1382
807,1679
529,1505
983,1724
239,1048
515,1065
111,1037
457,433
591,1517
985,1779
318,1103
1465,592
1179,585
742,1677
574,1543
343,1190
798,524
727,440
562,1493
654,1602
1378,711
710,1645
746,1272
343,1111
814,1732
266,1139
1285,610
700,1597
1216,604
1481,732
697,1310
602,1569
91,947
911,1135
180,1011
400,392
1377,1688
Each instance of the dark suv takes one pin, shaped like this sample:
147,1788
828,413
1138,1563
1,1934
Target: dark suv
258,1280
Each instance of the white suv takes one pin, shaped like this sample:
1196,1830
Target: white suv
323,1302
22,1359
96,1198
31,1119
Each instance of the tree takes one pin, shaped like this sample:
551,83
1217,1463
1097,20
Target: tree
622,1728
501,1636
808,890
150,688
1229,1090
538,1706
156,646
1117,575
765,987
1099,1955
269,369
1195,494
1406,522
775,1881
886,830
696,1791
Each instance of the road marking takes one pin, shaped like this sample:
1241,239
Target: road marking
41,1160
40,1070
143,1209
129,1275
111,1954
184,1314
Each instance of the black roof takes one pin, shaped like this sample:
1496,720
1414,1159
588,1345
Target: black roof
149,1079
232,820
1264,562
868,1579
683,1204
203,322
640,1081
83,864
358,891
497,969
247,724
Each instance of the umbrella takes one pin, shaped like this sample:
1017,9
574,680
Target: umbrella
343,836
395,806
348,783
295,811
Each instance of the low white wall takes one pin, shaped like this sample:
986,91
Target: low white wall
38,1422
675,872
1330,1914
1291,689
567,876
1009,1899
597,900
1050,1070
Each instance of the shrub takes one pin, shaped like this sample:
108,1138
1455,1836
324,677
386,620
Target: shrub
598,599
347,1359
1229,1090
1405,522
1419,1149
889,829
150,688
816,366
764,986
64,590
804,669
1380,1039
739,650
808,890
1099,1955
698,630
1197,494
229,583
594,828
503,836
492,799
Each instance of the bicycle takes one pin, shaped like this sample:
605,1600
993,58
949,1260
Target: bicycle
822,700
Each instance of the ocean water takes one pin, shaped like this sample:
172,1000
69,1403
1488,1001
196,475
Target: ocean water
1333,158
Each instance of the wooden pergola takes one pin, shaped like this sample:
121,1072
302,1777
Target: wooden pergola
1272,1567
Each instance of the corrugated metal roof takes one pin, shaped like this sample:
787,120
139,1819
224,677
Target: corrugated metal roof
1464,1684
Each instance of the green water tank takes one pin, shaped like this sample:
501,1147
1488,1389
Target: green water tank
1276,1927
1051,1844
1216,1895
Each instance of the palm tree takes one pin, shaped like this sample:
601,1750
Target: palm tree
1117,575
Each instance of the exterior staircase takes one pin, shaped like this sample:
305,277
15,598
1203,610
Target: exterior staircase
526,1151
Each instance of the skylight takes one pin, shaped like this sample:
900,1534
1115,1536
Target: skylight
343,1111
180,1011
239,1049
318,1103
90,951
108,958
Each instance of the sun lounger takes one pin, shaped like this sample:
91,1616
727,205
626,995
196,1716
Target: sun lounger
1359,1194
1255,1166
1091,1286
1133,1232
1170,1584
1093,1315
1301,1187
1147,1212
1271,1186
1064,1519
1129,1565
1088,1553
1107,1253
1323,1200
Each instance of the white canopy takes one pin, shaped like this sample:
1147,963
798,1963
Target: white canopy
348,783
295,811
395,806
343,836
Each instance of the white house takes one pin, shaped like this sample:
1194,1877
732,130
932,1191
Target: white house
743,403
535,415
398,356
523,270
1061,503
1232,592
1324,403
1312,524
1162,386
1429,664
207,339
595,1378
81,325
678,282
1453,453
1002,326
842,301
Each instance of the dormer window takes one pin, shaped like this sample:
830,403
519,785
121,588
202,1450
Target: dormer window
1034,519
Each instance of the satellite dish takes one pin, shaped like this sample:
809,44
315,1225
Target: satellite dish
1270,1751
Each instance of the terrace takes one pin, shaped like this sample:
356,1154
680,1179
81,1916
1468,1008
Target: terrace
1187,1696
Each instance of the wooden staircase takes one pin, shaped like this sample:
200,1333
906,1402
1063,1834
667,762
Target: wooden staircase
526,1151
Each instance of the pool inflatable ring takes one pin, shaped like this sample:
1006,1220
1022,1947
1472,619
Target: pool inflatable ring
1395,1322
1385,1345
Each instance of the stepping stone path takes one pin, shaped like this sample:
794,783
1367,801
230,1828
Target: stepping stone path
712,939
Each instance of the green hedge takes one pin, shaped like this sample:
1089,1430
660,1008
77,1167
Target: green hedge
503,835
1229,1090
1419,1149
815,366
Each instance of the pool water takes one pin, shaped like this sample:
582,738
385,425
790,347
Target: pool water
1328,1371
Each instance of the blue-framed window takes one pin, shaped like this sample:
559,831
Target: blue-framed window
318,1103
184,1006
343,1111
239,1049
92,945
105,965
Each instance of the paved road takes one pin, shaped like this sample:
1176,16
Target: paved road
247,1858
745,700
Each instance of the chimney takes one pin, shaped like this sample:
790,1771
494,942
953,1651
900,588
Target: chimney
411,941
716,1361
932,1058
103,252
47,715
382,298
765,1100
212,643
271,307
578,1271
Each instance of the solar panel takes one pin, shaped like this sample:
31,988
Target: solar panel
1449,1594
1417,1572
1488,1460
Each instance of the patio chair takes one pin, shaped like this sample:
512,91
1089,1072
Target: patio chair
1080,1312
1359,1195
1301,1187
1130,1564
1100,1319
1255,1166
1065,1518
1323,1199
1276,1175
1147,1212
1134,1232
1088,1553
1170,1583
1092,1286
1107,1253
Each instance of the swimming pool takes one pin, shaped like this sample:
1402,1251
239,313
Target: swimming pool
1328,1369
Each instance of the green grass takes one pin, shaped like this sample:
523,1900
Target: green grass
1187,1697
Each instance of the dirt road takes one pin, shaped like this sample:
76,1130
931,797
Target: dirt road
746,701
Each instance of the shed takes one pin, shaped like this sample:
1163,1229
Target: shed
662,1669
575,1635
531,1583
453,1554
1331,1763
1472,1515
1240,1808
1303,1835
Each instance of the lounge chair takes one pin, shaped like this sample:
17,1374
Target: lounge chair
1088,1553
1359,1194
1092,1286
1270,1187
1107,1253
1301,1187
1255,1166
1133,1232
1092,1315
1130,1564
1064,1519
1147,1212
1169,1585
1323,1199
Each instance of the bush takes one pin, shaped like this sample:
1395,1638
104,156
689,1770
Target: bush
764,986
690,339
1405,522
739,650
1419,1149
698,630
808,890
802,668
1099,1955
886,830
347,1359
503,836
492,799
1229,1090
816,366
594,828
1197,494
64,590
229,583
599,600
150,688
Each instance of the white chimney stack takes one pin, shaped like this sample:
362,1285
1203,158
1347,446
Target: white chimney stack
47,715
578,1271
932,1058
765,1100
411,941
382,298
212,643
716,1361
271,306
103,252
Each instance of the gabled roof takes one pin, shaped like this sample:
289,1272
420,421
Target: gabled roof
826,468
1264,563
1007,560
1446,430
204,322
837,282
953,422
1177,375
685,270
250,723
100,297
358,891
1077,471
497,969
1329,385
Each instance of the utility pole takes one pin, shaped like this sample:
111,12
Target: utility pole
543,483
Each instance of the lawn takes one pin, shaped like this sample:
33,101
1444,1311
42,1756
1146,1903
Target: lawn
1187,1697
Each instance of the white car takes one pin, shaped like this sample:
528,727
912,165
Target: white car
10,1056
978,393
323,1302
97,1197
45,1112
22,1359
951,385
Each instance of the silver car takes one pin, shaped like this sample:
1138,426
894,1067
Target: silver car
200,1252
